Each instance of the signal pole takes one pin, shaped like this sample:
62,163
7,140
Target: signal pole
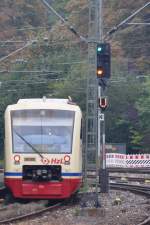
103,71
103,74
99,87
92,93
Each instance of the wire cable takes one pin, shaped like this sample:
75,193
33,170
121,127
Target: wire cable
63,20
115,28
16,51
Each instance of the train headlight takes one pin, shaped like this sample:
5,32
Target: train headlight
17,158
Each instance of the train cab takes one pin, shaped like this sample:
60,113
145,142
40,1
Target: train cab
43,148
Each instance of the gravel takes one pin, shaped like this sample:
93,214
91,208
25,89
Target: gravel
117,208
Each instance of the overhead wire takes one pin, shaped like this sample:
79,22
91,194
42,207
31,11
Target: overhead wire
16,51
63,20
30,71
147,24
31,42
37,40
125,21
128,46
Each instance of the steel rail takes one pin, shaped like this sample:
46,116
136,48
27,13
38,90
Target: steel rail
30,215
123,170
127,178
130,170
136,179
137,190
145,222
133,188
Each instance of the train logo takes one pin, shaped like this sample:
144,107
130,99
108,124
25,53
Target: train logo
45,161
65,160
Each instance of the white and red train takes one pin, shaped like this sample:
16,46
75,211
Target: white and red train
43,153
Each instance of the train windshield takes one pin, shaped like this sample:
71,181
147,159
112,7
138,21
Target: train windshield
42,131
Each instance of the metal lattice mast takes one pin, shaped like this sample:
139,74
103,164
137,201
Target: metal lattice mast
92,87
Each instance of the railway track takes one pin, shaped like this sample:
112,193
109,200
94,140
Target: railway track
21,215
130,170
30,215
124,170
128,178
142,190
16,208
145,222
133,188
119,174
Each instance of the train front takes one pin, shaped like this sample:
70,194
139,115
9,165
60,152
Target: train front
43,156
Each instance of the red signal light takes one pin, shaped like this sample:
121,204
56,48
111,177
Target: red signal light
103,103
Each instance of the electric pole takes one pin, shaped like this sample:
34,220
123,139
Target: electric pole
103,74
103,174
92,92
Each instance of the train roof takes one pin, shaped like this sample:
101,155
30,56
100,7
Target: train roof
41,100
35,103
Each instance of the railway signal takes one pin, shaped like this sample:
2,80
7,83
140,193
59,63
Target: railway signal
103,73
103,62
103,103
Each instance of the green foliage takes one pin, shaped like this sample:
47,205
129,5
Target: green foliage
60,4
136,137
143,108
122,114
74,86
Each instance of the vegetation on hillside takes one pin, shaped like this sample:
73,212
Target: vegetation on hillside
60,60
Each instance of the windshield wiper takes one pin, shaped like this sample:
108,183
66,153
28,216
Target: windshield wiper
34,149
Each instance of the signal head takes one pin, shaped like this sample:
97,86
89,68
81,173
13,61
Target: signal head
103,55
99,48
100,72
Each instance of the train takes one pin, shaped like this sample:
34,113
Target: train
43,149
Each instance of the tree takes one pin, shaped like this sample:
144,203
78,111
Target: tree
122,116
143,108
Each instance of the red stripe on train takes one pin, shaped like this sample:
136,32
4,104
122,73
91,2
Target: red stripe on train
43,190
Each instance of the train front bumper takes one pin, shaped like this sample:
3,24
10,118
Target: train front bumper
43,190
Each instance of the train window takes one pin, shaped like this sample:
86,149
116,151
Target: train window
42,131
